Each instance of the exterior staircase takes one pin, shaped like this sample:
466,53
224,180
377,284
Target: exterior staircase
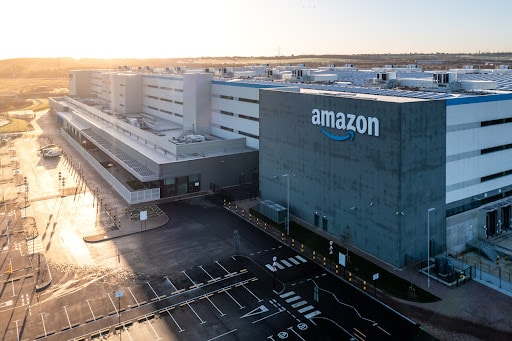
485,247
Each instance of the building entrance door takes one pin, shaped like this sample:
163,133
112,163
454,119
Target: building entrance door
491,223
505,217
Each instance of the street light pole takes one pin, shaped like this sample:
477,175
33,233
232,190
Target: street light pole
428,245
287,204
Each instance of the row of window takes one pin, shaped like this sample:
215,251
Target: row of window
245,117
495,122
163,88
165,99
241,99
240,132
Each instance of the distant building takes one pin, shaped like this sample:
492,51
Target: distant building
375,152
21,114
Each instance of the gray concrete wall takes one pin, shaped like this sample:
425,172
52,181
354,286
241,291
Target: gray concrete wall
379,187
224,171
460,229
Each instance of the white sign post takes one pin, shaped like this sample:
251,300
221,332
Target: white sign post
375,278
143,218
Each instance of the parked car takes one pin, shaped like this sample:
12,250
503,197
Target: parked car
52,152
47,146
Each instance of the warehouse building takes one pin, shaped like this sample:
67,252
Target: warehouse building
406,162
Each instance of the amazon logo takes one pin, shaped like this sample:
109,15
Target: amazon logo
346,125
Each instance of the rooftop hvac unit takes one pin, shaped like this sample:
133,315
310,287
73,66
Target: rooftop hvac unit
441,78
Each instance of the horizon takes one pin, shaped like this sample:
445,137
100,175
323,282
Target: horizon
205,29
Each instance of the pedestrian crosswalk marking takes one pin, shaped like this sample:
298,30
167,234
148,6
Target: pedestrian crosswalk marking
294,261
27,212
313,314
34,246
303,310
279,266
287,294
290,297
286,263
293,299
299,304
297,260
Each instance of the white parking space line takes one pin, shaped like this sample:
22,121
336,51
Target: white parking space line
294,261
199,317
303,310
213,304
190,279
154,292
206,272
115,308
234,300
172,317
222,267
127,332
44,327
299,304
222,335
153,329
288,264
93,317
137,302
302,259
67,315
256,297
168,280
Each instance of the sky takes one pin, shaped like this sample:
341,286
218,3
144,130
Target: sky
226,28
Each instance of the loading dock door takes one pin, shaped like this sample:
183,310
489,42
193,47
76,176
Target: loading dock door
491,223
505,217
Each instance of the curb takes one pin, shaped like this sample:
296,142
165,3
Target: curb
118,234
44,285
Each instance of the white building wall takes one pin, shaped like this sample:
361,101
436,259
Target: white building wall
466,139
163,97
229,112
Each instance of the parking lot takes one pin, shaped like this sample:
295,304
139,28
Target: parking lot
206,274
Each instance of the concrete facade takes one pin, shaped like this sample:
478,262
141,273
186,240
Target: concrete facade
379,187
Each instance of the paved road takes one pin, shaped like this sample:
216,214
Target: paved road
204,275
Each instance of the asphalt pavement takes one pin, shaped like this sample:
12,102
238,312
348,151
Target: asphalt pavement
485,299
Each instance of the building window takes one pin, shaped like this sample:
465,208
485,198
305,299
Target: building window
226,113
226,128
248,100
248,135
249,118
226,97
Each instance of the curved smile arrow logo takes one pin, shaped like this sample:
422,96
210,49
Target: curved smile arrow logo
348,136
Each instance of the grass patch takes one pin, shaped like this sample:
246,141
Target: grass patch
15,125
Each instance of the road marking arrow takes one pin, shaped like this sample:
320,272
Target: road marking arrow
259,310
